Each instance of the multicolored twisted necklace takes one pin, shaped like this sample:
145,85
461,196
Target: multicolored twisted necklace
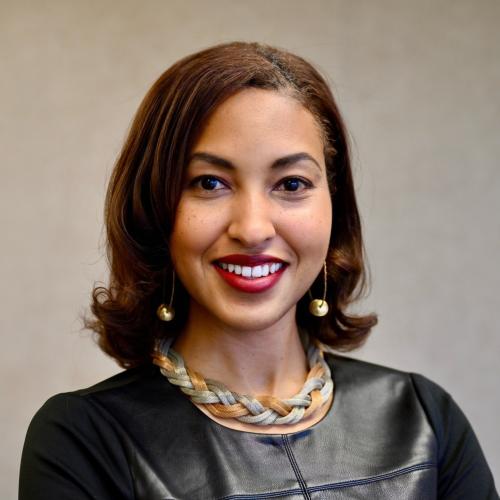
259,410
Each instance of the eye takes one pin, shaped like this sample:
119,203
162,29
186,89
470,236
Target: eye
294,184
207,183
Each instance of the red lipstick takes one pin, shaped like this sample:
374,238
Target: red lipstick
245,283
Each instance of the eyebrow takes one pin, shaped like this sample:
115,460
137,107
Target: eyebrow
285,161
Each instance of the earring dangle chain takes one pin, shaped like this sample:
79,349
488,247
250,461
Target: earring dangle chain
319,307
164,312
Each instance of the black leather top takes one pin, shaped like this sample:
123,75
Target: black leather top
389,435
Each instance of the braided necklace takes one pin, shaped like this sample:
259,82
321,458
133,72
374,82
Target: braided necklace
259,410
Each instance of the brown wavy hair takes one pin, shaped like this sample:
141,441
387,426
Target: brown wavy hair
146,185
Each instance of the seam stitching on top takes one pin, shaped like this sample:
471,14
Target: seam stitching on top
374,479
295,466
333,486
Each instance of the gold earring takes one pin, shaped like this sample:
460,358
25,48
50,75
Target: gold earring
164,312
319,307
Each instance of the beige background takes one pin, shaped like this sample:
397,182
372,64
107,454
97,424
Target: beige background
419,83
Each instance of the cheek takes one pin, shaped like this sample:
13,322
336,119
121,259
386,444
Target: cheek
193,232
309,237
310,229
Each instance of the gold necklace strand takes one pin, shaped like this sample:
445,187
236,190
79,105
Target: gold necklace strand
259,410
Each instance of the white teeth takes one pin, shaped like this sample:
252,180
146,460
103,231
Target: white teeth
252,271
257,272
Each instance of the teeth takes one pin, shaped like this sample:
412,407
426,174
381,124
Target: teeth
257,272
252,271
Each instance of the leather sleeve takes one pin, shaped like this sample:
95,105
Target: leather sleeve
463,471
72,451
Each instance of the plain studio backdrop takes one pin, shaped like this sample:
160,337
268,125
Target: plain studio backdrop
419,85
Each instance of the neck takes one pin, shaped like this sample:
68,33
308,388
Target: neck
270,361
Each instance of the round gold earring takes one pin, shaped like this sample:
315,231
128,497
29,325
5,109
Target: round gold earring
164,312
319,307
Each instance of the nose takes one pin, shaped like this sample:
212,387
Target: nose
251,220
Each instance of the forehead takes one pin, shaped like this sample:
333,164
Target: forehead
256,119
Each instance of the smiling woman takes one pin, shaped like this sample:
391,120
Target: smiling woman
268,191
235,251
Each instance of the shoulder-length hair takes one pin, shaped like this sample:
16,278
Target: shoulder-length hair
146,185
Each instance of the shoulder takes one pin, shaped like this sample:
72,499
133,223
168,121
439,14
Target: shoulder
83,403
359,373
392,387
102,401
73,412
80,444
110,414
75,447
121,381
413,403
371,398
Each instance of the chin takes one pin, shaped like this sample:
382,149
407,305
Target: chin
255,320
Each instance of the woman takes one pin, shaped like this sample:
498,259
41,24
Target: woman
235,251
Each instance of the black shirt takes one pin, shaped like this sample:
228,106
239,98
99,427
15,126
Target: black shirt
388,435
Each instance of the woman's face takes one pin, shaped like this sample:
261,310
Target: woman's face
253,224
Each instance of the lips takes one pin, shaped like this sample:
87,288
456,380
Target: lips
250,273
249,260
